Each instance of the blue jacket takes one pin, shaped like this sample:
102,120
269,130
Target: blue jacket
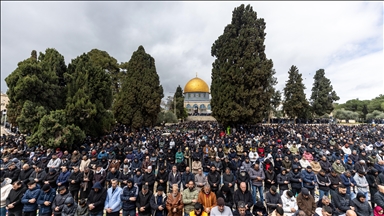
50,196
30,194
101,155
308,178
63,178
126,194
347,181
113,199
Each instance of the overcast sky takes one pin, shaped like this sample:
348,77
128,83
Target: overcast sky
344,38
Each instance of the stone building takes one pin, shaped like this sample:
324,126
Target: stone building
196,97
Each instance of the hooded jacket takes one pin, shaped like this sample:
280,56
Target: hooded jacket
378,198
50,197
362,208
288,203
308,178
69,210
97,198
281,181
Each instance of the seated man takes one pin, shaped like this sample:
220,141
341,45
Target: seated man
198,211
241,210
221,208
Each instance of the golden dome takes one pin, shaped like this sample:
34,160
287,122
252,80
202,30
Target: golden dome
196,85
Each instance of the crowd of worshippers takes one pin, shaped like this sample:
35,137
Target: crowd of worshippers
198,168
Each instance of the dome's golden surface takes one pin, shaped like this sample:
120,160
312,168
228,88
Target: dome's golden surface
196,85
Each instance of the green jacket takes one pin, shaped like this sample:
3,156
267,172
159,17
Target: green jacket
188,196
179,157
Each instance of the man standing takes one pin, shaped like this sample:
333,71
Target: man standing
54,163
45,200
158,202
30,199
190,196
186,177
13,201
62,180
306,202
309,180
361,183
174,177
342,201
74,183
59,200
214,179
241,210
112,202
143,201
96,200
128,197
257,177
273,199
149,178
221,209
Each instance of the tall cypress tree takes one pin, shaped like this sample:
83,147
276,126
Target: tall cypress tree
38,80
179,97
138,102
323,96
89,96
295,104
241,74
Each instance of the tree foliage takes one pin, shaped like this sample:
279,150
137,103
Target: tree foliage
109,65
323,95
89,96
295,104
343,114
138,102
30,116
166,117
376,114
241,74
55,131
38,80
179,97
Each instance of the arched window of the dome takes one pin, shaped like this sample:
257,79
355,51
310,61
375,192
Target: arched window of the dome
195,105
188,106
202,106
209,106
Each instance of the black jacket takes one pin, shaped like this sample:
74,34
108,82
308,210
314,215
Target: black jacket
51,178
245,197
12,174
76,177
342,203
272,201
362,209
24,175
228,199
59,201
14,197
144,201
148,177
322,181
98,199
294,178
214,178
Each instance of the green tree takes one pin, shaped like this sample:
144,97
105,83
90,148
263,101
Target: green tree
375,104
180,111
323,96
109,65
275,103
376,114
166,117
295,104
343,114
138,102
30,116
89,96
241,74
38,80
55,131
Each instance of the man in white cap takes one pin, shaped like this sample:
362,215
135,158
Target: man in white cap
149,178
